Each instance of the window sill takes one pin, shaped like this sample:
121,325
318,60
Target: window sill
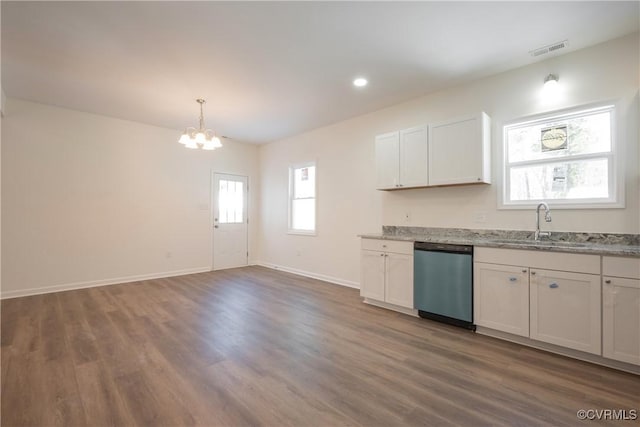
561,205
301,233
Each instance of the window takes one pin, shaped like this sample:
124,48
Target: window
302,198
566,158
230,202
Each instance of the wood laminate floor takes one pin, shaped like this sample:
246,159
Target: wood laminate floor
259,347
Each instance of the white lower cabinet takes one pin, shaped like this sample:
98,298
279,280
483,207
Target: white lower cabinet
387,271
501,297
621,309
565,309
550,297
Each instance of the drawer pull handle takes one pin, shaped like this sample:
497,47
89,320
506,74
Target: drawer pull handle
553,285
524,270
513,279
608,282
384,246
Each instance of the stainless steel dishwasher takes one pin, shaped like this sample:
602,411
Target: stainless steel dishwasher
443,283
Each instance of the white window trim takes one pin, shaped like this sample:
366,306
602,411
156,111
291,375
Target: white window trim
291,230
615,158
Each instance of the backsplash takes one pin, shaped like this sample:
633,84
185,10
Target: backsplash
556,236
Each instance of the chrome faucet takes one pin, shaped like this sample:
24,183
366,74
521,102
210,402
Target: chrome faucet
547,218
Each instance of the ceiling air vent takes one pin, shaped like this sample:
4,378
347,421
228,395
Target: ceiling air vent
550,48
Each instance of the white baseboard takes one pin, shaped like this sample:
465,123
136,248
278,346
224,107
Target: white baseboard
388,306
102,282
563,351
330,279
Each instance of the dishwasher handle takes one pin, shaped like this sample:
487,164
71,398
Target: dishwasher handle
443,247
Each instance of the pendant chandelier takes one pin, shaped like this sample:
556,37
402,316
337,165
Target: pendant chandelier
201,137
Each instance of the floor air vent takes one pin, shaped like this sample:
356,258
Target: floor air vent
550,48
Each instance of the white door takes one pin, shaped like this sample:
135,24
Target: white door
230,228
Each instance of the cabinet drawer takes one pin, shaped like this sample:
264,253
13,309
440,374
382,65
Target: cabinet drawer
621,267
580,263
394,246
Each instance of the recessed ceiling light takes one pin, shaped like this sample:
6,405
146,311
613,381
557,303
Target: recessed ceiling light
360,82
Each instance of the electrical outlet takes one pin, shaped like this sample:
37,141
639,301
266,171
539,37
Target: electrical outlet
407,217
169,254
480,217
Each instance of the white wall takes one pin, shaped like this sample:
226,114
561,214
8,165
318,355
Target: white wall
89,199
348,204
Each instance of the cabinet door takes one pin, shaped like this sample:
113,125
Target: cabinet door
501,297
565,309
372,275
621,319
459,151
388,161
399,280
413,157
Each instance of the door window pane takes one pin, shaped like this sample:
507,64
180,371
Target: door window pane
230,202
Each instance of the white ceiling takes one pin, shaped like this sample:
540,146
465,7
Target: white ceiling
273,69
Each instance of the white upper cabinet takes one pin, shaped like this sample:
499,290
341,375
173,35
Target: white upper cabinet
448,153
460,151
388,160
413,157
401,159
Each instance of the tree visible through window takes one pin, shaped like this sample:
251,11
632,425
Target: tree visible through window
566,158
302,198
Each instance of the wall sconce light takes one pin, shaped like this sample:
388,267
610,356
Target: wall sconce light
551,91
550,81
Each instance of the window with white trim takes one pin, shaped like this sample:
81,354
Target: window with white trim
565,158
302,198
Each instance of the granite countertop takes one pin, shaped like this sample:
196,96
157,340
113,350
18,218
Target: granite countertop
585,243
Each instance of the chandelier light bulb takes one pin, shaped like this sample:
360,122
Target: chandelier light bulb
184,138
200,137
